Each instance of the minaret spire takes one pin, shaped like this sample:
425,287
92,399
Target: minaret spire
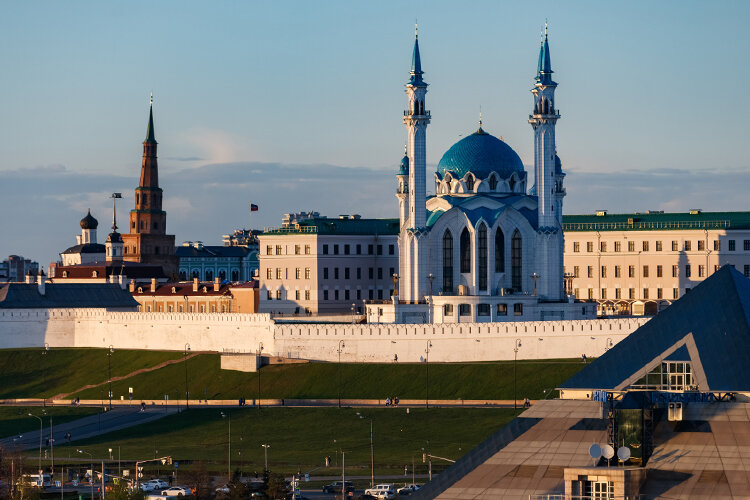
416,62
150,136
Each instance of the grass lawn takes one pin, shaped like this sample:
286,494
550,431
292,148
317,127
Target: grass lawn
303,437
206,380
16,420
28,373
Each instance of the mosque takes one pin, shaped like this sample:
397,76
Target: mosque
487,246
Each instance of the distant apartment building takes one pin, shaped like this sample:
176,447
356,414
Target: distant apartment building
320,265
15,268
640,263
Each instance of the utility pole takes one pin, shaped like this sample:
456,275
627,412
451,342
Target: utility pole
343,475
372,458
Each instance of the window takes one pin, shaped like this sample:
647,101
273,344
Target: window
307,273
645,293
631,293
391,272
269,273
731,246
359,249
747,271
631,271
325,273
465,251
717,245
346,294
371,294
659,293
618,293
631,246
482,264
617,271
576,271
603,246
335,295
359,273
645,271
307,294
346,249
688,246
517,309
278,273
371,273
576,246
269,249
380,294
618,246
493,183
346,273
674,246
448,309
335,249
380,273
659,271
297,273
516,260
297,295
687,271
500,251
675,271
590,271
701,245
278,249
325,249
604,271
576,293
307,249
447,262
359,294
502,309
591,294
335,273
675,293
470,182
391,249
645,246
604,293
589,246
380,249
658,246
746,245
325,295
701,271
297,249
370,249
278,294
483,310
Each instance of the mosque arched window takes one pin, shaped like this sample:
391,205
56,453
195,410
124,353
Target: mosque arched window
447,262
235,276
465,251
499,251
493,182
470,182
516,260
209,275
512,183
482,264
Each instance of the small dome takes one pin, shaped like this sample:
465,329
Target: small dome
89,222
481,154
114,237
404,168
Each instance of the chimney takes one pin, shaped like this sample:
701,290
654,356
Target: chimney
40,280
195,284
153,285
131,286
121,280
29,278
217,284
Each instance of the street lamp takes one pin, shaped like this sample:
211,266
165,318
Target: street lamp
372,453
430,277
187,393
516,346
260,365
91,478
40,441
341,346
44,373
228,416
109,373
265,452
427,365
353,310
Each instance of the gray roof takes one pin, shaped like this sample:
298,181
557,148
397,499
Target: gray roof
712,321
27,296
86,248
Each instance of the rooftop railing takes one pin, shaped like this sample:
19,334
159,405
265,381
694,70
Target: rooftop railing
635,225
291,229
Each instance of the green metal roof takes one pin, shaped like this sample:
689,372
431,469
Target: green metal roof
656,221
340,226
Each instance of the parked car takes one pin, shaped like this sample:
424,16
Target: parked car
387,491
335,487
408,489
147,486
158,484
176,491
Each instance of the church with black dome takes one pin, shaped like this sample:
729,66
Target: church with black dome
488,246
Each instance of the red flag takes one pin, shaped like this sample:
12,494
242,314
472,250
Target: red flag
253,208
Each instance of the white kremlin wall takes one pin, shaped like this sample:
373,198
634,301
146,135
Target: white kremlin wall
382,343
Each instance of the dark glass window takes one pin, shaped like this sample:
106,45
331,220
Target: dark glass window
465,251
483,258
516,260
499,251
447,262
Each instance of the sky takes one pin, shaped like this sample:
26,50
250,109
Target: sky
298,105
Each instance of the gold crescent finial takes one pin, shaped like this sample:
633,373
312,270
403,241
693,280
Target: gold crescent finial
151,100
416,29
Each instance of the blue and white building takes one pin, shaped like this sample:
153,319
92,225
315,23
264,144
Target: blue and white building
206,262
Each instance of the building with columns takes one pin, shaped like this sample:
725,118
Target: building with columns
487,246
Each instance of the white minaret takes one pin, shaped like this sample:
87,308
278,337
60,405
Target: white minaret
416,119
548,182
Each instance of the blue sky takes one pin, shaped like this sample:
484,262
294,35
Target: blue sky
298,105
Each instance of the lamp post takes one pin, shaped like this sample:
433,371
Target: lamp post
353,309
40,441
341,346
372,453
44,373
260,365
109,373
91,478
265,453
427,365
516,346
430,277
228,416
187,393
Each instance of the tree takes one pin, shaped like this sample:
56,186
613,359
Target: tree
276,487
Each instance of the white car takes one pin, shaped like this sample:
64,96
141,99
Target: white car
176,491
408,489
387,491
147,486
158,484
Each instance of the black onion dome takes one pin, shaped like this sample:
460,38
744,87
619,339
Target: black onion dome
89,222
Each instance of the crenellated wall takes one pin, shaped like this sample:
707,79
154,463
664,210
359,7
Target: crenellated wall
229,332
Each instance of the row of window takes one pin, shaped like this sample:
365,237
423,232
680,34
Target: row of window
282,273
146,250
371,249
646,271
603,294
279,248
687,246
209,275
483,309
281,294
191,308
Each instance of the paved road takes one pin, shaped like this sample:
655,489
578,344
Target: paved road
86,427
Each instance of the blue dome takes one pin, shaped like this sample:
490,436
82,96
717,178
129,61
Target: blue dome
404,168
481,154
